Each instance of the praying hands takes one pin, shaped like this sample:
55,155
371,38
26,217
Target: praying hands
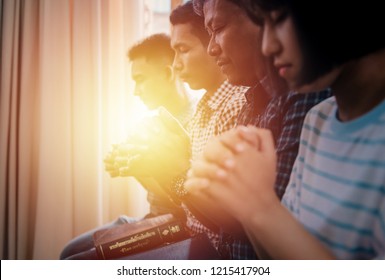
237,169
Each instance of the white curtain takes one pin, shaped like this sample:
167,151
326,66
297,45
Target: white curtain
65,97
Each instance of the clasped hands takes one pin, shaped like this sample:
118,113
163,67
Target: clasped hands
160,149
237,170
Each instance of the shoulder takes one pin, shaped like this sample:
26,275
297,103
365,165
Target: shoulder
323,109
297,105
233,107
304,100
235,97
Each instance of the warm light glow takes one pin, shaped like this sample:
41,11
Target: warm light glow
136,114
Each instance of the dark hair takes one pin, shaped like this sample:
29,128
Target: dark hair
332,32
277,85
154,47
185,14
246,5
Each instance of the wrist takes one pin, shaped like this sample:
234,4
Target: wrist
262,213
179,169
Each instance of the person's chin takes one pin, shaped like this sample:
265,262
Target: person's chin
194,85
238,80
151,106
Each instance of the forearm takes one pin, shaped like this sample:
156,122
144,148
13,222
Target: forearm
281,236
258,249
213,216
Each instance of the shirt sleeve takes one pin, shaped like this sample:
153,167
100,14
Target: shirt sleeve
288,132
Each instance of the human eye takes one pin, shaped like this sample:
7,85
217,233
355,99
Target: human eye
218,28
209,31
258,20
139,79
183,49
279,16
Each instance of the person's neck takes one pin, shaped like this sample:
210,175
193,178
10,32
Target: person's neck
215,83
178,99
361,86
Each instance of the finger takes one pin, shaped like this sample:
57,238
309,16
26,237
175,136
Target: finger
267,141
124,171
204,169
138,166
249,134
233,141
195,184
216,152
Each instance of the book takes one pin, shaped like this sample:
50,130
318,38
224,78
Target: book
197,247
139,236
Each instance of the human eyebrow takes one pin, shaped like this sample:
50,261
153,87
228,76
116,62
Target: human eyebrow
208,25
279,15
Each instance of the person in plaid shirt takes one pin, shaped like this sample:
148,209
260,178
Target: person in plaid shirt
216,113
268,105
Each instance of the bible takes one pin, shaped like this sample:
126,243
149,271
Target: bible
132,238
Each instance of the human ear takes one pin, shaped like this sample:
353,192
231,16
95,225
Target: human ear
169,73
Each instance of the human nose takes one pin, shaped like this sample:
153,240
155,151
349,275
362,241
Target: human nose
270,43
213,47
177,64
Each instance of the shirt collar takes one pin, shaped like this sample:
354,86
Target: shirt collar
255,93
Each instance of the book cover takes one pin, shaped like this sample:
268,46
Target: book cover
139,236
197,247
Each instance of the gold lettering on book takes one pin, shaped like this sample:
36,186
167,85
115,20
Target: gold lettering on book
175,229
132,239
139,245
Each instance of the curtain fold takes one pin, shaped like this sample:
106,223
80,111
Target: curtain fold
64,88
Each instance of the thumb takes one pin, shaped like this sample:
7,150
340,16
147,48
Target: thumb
267,141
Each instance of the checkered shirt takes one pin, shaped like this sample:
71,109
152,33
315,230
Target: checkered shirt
215,114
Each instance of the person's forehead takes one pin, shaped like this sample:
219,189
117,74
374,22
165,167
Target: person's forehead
181,34
223,9
218,7
141,65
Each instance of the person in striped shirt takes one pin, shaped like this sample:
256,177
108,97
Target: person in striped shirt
334,204
268,104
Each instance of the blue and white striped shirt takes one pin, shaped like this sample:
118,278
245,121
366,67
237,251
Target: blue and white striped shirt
337,187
